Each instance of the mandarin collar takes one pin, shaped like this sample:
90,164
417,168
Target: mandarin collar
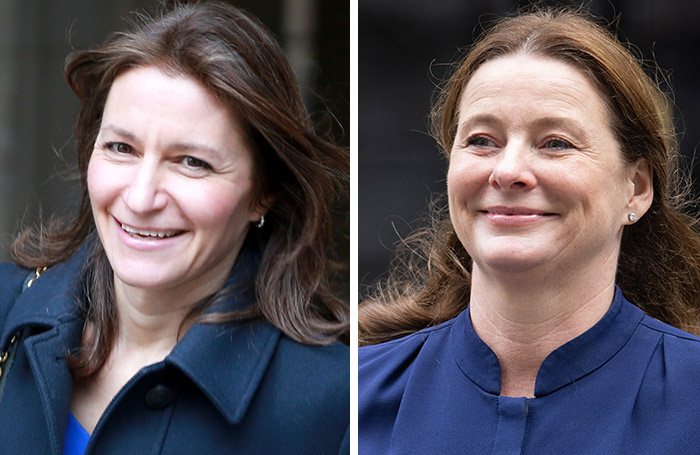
564,365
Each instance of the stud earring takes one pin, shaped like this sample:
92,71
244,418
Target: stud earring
632,216
261,223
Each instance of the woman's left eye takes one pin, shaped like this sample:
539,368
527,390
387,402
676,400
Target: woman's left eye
557,143
195,163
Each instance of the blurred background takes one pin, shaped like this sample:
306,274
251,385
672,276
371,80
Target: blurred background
404,50
37,108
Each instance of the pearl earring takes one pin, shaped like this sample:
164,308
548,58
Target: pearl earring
632,216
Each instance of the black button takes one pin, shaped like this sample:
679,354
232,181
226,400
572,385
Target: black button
159,397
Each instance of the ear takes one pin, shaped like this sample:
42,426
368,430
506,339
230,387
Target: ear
641,178
261,208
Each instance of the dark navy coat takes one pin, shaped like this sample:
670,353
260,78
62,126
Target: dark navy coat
224,389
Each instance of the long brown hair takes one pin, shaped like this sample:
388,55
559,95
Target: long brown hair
236,58
659,263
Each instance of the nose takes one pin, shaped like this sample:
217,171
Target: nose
144,194
512,169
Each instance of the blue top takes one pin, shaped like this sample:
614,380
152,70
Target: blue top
76,437
629,385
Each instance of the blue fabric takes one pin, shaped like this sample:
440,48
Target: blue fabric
229,388
76,437
629,385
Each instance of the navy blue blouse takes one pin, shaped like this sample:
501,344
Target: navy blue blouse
629,385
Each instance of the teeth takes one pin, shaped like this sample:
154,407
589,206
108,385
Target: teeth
159,235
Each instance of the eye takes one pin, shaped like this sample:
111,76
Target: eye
479,141
195,163
556,143
119,147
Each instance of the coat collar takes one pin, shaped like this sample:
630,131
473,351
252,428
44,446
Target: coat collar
246,349
52,299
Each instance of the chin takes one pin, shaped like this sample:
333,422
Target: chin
512,258
510,265
143,282
145,276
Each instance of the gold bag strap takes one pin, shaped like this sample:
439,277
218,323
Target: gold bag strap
7,356
37,274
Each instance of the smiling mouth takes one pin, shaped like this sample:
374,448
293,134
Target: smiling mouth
140,233
516,214
515,211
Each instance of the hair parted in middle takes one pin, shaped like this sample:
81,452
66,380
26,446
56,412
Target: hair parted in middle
299,177
659,263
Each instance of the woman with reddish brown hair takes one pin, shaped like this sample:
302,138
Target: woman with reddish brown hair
537,316
187,307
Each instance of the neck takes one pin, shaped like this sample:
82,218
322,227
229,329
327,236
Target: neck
523,317
147,326
154,320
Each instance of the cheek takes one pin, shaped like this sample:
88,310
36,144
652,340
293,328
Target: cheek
220,208
100,181
597,189
464,182
464,179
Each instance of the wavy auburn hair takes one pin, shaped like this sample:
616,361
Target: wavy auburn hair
659,263
236,59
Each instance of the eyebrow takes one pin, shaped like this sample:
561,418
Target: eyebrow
564,122
179,146
488,119
540,123
186,147
120,131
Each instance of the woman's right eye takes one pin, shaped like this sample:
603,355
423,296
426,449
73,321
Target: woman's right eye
479,141
119,147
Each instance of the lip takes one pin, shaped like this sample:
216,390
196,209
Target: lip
127,233
515,216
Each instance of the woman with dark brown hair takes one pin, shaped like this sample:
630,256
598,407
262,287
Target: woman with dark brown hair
508,328
187,308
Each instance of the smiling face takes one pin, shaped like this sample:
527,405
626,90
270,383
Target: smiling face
170,182
536,178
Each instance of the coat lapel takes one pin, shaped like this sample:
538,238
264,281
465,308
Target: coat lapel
50,323
46,353
228,361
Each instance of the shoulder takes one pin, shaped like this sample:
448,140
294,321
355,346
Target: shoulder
12,279
660,346
384,369
11,273
676,343
329,364
661,327
670,361
383,374
317,375
311,389
373,357
668,364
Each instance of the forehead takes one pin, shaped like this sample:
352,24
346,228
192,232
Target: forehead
146,99
532,85
157,88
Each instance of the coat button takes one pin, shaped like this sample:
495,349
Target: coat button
159,397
